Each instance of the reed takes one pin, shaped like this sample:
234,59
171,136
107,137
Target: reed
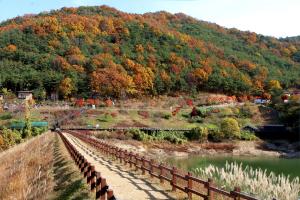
257,182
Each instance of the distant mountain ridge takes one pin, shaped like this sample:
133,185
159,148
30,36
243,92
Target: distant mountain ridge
79,51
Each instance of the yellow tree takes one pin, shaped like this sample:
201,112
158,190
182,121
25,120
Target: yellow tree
66,87
274,84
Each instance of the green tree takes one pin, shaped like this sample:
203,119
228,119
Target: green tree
27,131
230,128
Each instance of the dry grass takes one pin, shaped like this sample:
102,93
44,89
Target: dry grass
26,169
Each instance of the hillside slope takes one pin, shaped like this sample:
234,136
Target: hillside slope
79,51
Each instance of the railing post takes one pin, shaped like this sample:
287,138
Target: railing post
92,180
125,157
110,195
130,159
151,167
210,194
136,162
121,156
103,189
83,165
98,184
189,185
87,173
143,165
237,189
174,170
161,173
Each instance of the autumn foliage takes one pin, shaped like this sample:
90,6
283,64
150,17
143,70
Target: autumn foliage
87,50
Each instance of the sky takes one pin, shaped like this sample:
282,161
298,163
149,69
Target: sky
278,18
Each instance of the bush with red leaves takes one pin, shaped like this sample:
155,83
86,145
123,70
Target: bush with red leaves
144,114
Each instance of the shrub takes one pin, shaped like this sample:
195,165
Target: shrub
139,135
230,128
167,116
225,112
5,116
144,114
215,134
248,135
105,118
186,115
246,111
37,131
196,119
10,138
202,112
171,136
198,133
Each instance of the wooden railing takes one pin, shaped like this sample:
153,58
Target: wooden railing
178,179
94,179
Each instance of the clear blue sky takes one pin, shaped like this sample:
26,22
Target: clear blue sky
277,18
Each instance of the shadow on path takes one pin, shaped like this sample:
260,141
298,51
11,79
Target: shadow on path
67,178
141,182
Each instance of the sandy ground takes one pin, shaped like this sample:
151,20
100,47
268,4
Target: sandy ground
126,183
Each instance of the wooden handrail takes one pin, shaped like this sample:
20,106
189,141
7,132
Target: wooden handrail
93,178
125,156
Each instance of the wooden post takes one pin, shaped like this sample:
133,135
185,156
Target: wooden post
189,185
237,189
121,151
136,156
125,157
151,167
161,173
98,184
210,194
103,189
92,178
87,173
130,159
110,194
143,165
83,165
174,170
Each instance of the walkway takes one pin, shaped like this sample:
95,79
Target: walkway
127,185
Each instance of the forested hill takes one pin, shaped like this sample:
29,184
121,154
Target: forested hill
83,50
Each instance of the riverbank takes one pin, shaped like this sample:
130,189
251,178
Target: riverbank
231,148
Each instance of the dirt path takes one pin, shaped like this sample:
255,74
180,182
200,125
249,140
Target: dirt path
126,183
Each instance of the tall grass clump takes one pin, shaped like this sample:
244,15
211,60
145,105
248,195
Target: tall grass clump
256,182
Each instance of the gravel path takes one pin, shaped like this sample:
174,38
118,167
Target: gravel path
126,183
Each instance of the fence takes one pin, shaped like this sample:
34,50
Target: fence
178,179
94,179
86,128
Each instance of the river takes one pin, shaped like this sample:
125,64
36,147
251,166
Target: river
284,166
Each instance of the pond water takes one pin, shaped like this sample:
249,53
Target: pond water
277,165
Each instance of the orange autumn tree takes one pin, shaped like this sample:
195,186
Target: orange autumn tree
143,79
60,63
112,81
66,87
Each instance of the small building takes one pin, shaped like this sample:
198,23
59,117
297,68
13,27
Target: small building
1,97
27,95
261,101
